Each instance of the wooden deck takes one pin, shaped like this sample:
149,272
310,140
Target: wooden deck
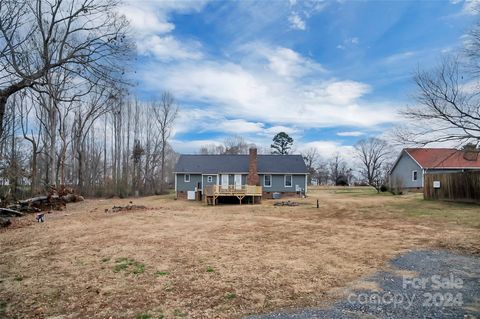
213,192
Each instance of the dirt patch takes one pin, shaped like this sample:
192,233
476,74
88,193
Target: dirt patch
185,259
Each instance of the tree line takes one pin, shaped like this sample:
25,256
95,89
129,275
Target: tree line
66,116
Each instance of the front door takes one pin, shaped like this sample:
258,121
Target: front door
224,181
238,181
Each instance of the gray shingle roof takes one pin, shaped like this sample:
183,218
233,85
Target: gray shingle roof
215,164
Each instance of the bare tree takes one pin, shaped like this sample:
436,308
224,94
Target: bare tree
211,149
37,37
373,153
472,48
235,145
322,172
34,137
165,114
86,114
311,157
340,174
448,100
448,109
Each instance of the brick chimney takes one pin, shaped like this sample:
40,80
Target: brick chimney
252,178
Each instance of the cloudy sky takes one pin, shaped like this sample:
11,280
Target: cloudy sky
328,73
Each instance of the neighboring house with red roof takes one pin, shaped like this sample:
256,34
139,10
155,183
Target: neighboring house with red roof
413,163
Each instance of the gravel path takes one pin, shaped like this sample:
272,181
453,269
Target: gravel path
445,285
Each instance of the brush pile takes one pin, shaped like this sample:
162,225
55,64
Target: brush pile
287,203
116,209
54,200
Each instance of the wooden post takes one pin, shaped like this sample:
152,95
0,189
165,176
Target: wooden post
318,206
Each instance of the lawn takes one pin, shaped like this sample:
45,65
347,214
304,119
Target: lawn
181,259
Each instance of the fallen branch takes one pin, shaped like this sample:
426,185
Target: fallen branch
287,203
116,209
24,209
6,212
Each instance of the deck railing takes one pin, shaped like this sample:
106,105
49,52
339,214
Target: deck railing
233,190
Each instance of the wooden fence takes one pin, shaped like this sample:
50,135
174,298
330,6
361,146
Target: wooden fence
461,187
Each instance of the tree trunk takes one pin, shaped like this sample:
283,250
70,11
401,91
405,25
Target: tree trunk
162,175
80,169
33,185
3,106
51,151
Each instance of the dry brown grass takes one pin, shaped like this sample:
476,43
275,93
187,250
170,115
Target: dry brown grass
215,262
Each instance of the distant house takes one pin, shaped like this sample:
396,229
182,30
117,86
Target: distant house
413,163
240,175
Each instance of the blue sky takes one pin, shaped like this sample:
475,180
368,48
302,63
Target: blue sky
326,72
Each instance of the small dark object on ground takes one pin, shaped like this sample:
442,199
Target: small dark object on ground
287,203
5,222
116,209
40,217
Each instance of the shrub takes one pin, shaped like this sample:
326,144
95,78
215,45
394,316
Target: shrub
383,188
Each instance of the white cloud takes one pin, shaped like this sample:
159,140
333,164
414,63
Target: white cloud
471,7
302,11
238,126
296,22
399,57
287,62
282,61
345,92
148,17
328,149
259,94
145,20
167,48
350,133
152,28
271,131
348,42
257,91
470,87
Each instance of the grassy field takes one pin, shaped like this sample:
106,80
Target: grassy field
181,259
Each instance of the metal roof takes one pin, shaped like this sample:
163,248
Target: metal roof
217,164
439,158
442,158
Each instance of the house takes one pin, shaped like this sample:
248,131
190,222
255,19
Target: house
241,176
413,163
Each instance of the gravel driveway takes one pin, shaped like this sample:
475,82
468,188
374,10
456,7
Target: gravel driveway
421,284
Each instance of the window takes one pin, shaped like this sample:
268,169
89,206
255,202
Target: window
288,180
186,178
209,179
414,175
267,180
